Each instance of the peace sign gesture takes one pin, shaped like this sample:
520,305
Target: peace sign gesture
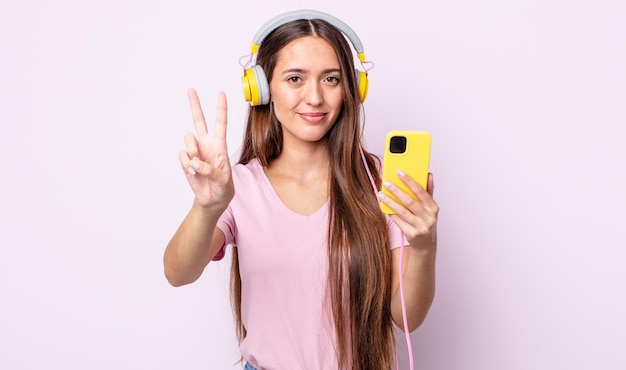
205,161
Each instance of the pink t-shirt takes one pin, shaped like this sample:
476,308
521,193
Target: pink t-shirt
283,263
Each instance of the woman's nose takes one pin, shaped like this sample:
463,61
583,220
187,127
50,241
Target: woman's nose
314,94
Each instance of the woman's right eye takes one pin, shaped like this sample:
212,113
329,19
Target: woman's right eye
294,79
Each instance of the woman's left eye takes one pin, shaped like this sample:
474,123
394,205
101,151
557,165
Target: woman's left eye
332,79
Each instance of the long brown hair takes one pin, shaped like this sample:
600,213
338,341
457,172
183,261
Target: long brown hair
359,270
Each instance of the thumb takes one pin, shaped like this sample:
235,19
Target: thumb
220,165
431,184
197,166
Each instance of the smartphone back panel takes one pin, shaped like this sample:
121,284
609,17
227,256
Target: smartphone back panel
408,151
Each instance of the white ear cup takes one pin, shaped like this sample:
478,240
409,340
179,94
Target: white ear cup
262,85
256,89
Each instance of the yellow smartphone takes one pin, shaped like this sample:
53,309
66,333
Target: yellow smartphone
408,151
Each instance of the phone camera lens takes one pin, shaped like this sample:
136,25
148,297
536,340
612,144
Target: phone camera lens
397,144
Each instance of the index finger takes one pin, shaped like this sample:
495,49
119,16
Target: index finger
196,112
221,116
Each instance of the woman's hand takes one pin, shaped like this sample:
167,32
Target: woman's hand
416,218
205,162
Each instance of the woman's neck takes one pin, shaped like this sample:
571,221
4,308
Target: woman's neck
300,178
304,162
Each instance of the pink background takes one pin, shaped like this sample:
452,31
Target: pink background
526,103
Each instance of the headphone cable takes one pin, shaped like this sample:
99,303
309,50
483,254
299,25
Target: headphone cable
400,272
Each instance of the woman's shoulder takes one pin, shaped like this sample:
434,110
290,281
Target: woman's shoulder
246,171
249,165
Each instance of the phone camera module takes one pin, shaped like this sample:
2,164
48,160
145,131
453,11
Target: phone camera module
397,144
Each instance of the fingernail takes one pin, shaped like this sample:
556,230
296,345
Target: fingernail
193,164
400,173
381,195
191,171
387,184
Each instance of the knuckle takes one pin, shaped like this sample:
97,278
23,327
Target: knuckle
436,209
423,230
410,202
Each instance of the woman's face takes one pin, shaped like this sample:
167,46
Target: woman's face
306,89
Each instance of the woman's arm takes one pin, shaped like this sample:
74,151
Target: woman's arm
207,168
418,221
419,285
193,246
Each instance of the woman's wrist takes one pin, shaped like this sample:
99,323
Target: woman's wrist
210,211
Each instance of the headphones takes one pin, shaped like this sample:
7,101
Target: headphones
255,85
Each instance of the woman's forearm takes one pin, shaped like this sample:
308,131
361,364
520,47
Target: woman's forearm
419,285
193,246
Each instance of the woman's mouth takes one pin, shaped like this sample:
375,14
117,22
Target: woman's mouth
313,117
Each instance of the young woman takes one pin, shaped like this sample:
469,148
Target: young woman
315,276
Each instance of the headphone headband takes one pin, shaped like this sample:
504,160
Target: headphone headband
307,14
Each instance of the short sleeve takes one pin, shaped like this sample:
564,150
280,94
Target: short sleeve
396,236
226,224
